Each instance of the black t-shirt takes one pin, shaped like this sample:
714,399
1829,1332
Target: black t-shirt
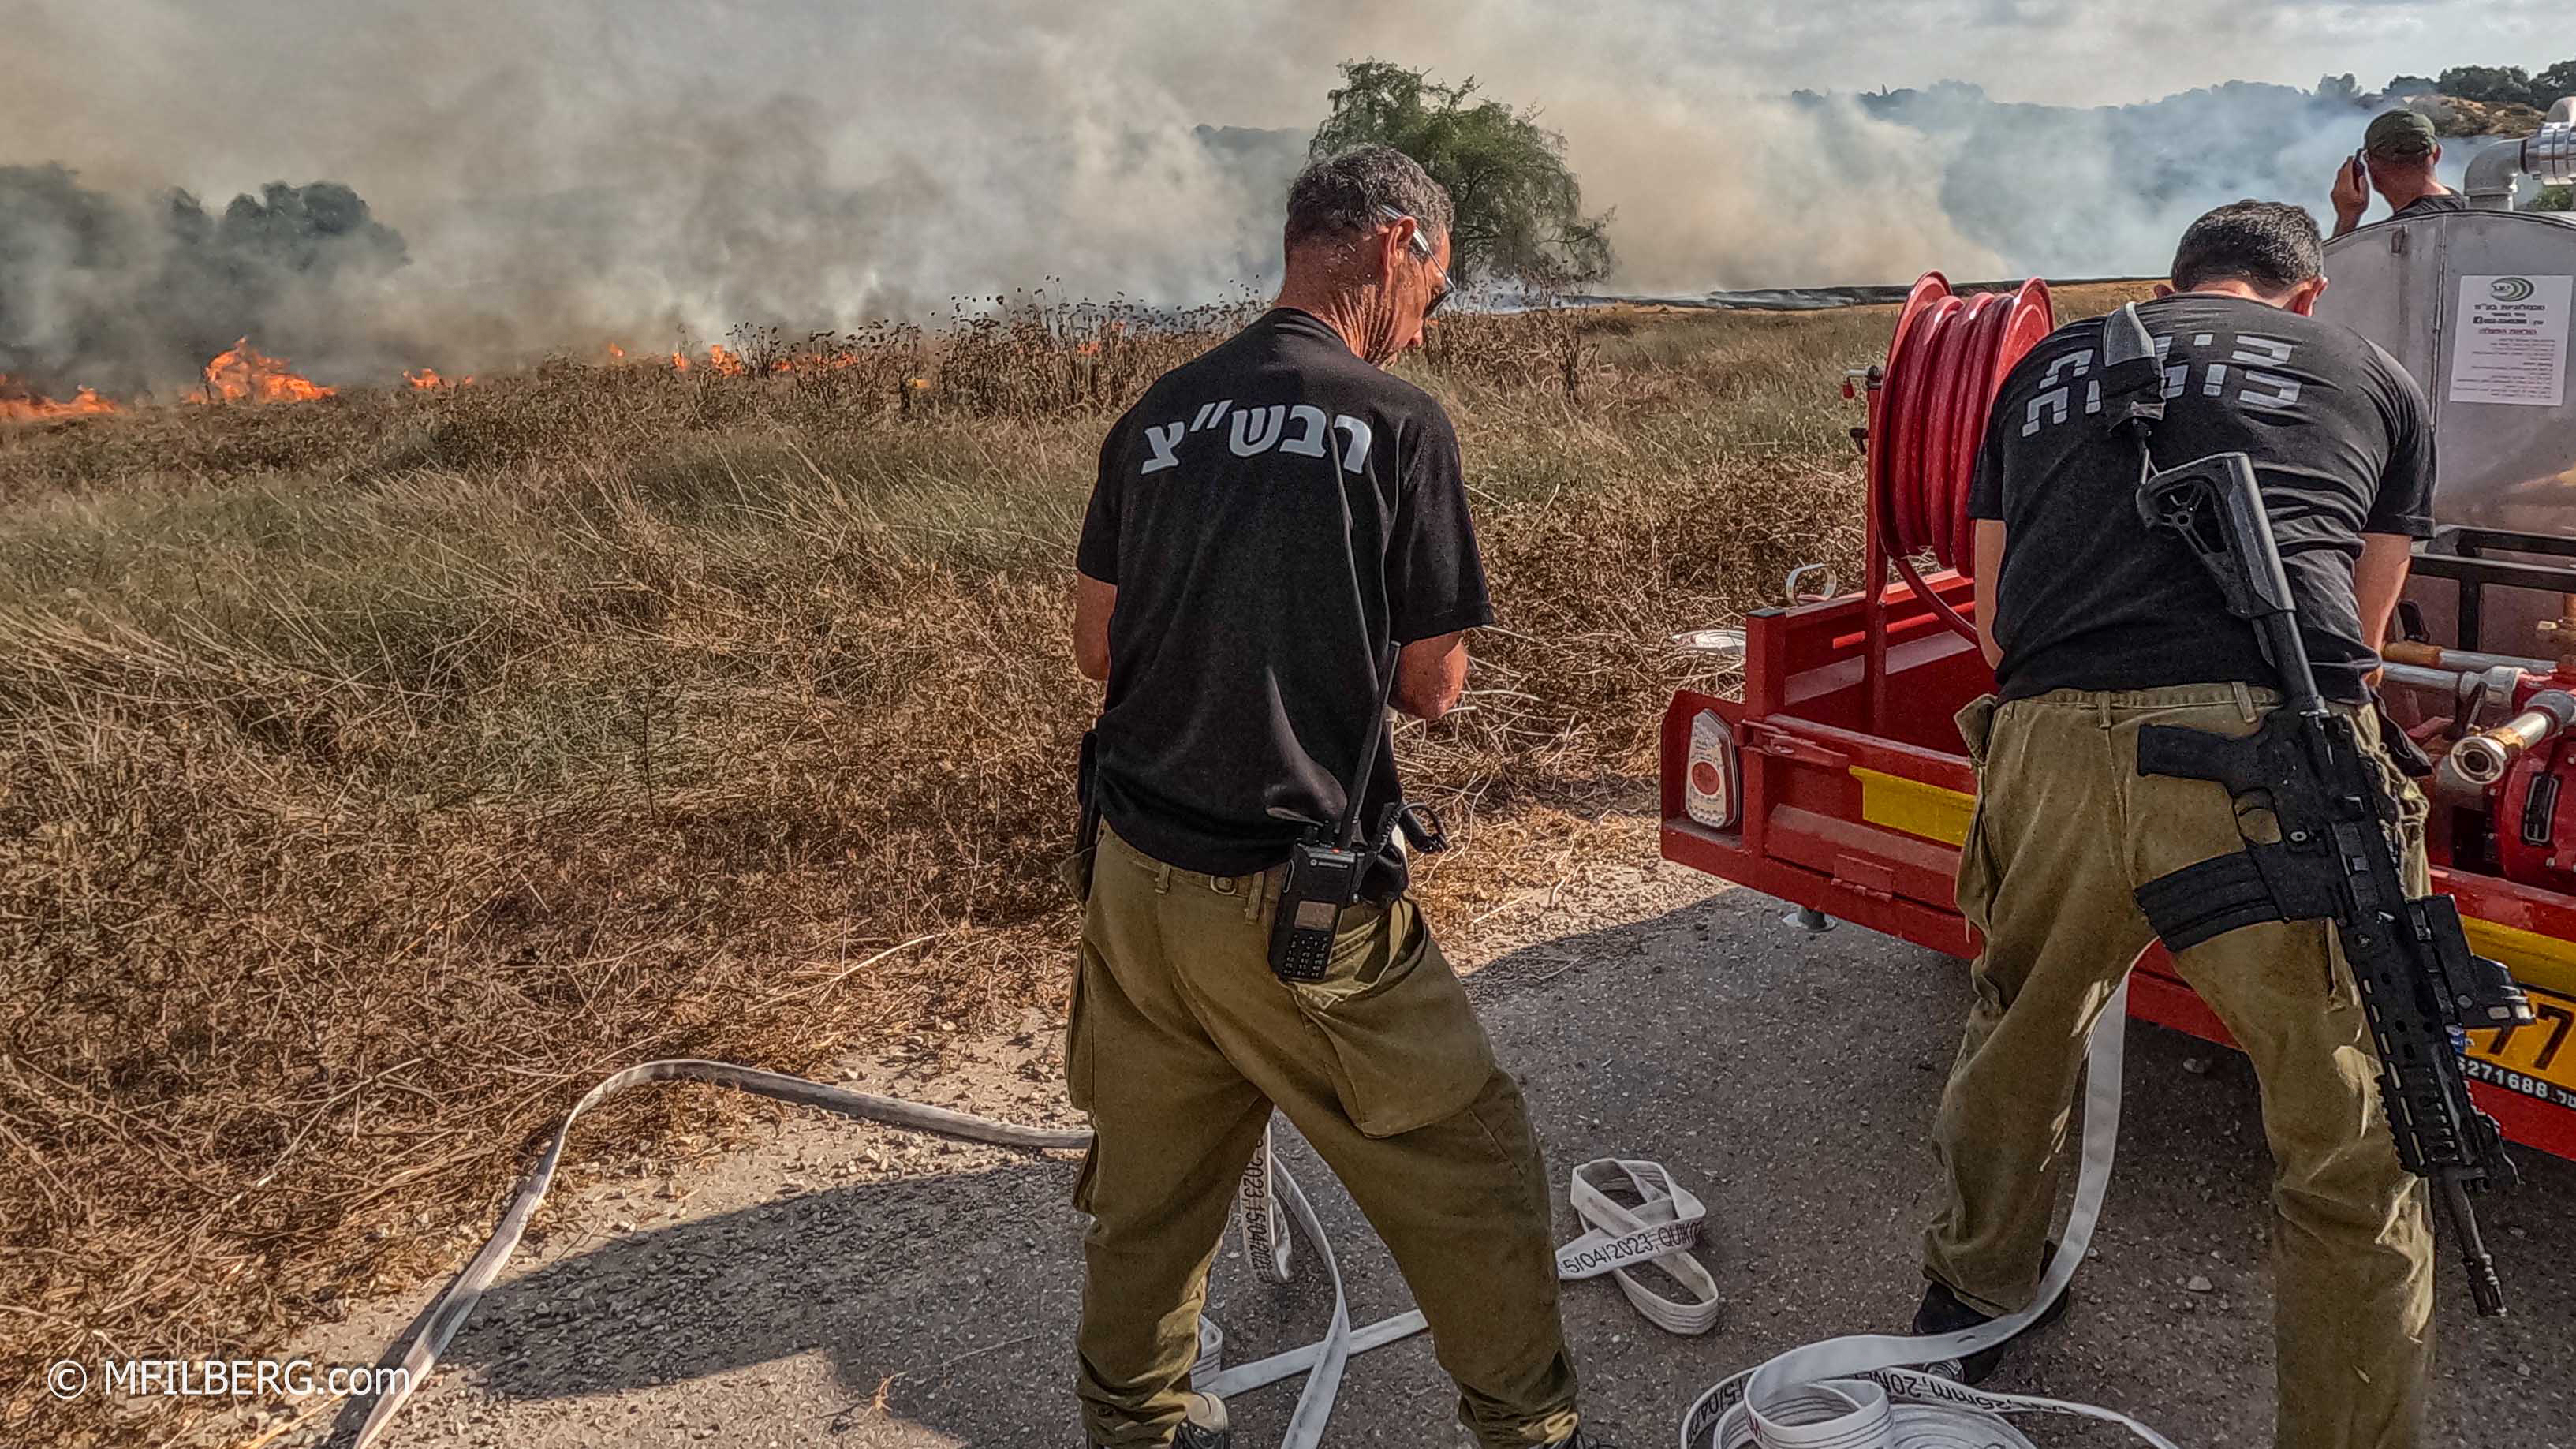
2431,205
2091,599
1272,514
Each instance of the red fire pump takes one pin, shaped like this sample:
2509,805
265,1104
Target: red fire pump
2505,785
2535,834
1833,778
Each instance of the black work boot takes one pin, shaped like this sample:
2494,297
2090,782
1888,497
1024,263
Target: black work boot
1205,1428
1942,1312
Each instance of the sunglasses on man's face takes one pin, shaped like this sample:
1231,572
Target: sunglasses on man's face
1421,247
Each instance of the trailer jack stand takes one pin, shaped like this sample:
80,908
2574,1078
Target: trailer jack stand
1808,919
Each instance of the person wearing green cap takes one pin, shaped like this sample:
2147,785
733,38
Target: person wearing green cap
2396,160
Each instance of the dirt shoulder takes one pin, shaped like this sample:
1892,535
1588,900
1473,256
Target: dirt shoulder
842,1283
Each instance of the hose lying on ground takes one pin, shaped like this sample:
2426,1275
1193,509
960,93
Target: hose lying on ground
1661,1230
1860,1392
1864,1391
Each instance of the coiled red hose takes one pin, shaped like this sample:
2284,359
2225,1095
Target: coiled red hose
1928,415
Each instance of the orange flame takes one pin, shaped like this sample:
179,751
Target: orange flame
18,405
679,362
244,375
725,363
616,353
428,377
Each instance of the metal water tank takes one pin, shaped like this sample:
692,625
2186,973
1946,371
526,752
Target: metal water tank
2477,306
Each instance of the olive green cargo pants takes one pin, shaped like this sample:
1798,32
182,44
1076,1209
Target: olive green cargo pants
1181,1042
2065,828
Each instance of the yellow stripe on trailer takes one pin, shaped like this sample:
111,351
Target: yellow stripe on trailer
1914,807
1938,814
2534,959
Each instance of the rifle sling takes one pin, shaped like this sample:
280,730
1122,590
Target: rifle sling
2197,902
2267,880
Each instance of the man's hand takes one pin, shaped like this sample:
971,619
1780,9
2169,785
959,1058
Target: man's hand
1430,675
2351,194
1989,548
1093,602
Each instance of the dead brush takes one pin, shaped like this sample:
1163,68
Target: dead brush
377,773
1533,349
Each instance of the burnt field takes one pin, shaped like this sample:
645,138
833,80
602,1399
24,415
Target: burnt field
378,771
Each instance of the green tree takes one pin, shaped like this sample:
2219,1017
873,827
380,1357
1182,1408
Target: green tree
2400,87
2556,198
2554,83
1520,209
2339,88
2488,84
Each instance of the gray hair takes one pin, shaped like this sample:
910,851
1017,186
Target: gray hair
1344,197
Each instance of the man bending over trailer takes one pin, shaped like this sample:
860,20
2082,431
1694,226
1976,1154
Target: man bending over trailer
2098,628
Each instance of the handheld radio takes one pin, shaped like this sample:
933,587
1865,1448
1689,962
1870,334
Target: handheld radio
1325,868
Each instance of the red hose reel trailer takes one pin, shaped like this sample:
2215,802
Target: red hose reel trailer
1927,417
1831,776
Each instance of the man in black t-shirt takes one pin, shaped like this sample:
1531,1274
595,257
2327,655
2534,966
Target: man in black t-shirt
2398,152
1268,518
2340,437
2097,627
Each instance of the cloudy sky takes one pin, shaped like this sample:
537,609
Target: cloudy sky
2093,52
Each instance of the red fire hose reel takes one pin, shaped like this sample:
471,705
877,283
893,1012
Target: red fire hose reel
1927,416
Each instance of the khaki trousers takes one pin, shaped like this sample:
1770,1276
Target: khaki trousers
2065,828
1182,1041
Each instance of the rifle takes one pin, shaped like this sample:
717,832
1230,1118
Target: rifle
2422,989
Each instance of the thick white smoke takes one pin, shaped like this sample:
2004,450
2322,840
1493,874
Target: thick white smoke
585,171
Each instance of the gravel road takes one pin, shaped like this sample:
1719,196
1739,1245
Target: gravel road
842,1284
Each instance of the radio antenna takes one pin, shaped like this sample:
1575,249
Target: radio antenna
1350,831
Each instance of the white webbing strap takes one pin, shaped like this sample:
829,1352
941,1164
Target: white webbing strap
1661,1230
1855,1393
1256,1213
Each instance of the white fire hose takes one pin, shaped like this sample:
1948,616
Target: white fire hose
1868,1391
1661,1230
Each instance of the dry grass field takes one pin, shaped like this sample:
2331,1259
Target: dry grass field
377,772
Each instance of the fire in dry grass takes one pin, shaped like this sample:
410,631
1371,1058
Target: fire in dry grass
20,404
724,361
244,374
429,377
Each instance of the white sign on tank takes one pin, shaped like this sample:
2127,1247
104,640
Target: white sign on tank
2512,344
